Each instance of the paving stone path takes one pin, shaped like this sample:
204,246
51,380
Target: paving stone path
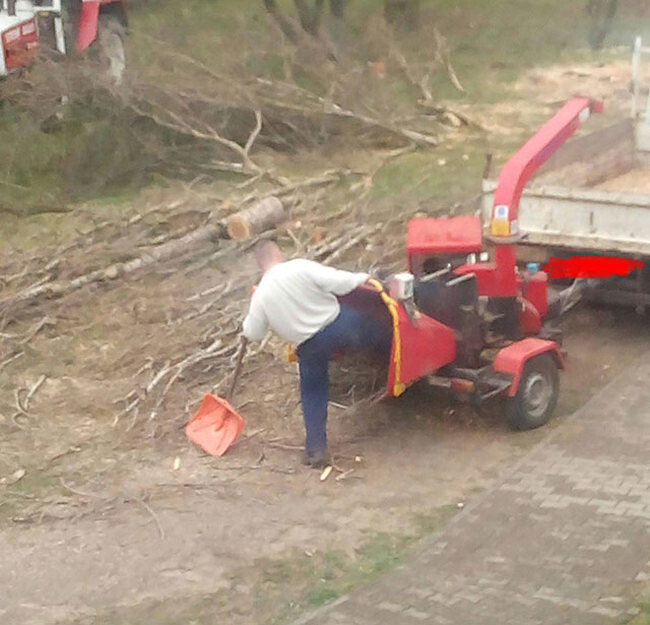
561,538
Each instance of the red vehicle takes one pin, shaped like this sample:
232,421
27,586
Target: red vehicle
67,26
474,324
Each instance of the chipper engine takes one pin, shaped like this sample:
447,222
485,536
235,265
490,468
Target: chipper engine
464,316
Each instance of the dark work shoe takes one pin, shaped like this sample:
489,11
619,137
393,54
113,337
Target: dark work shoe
317,459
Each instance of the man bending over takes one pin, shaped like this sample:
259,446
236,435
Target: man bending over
297,300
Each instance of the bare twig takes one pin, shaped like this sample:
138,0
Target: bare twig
29,335
351,242
444,55
70,450
177,123
155,209
175,234
18,403
227,290
215,350
223,289
154,516
331,176
283,446
134,418
79,492
156,378
421,84
344,475
147,365
255,132
46,321
14,420
160,44
11,358
16,276
33,389
329,108
295,239
327,247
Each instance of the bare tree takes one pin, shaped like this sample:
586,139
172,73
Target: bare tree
286,24
402,12
337,8
310,15
308,24
601,14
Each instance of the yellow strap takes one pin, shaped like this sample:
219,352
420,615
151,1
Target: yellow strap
391,304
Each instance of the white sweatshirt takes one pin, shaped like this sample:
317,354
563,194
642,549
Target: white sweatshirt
296,299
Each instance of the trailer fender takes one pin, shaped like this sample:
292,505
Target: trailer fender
512,359
87,24
89,18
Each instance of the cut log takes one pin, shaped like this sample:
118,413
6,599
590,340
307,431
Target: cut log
263,215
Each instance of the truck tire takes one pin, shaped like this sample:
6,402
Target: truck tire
536,397
108,48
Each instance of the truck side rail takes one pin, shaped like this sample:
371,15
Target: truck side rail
581,219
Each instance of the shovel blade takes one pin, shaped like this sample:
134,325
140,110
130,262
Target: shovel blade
215,426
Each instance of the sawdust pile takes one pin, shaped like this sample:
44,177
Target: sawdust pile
635,180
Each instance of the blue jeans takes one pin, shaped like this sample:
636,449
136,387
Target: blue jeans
350,330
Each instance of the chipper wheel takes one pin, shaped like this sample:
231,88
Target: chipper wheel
536,395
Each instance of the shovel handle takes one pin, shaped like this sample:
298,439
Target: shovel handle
238,367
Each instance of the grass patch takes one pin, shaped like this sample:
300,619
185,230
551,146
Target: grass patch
425,181
331,575
336,575
40,230
19,500
49,167
492,43
283,588
643,618
29,157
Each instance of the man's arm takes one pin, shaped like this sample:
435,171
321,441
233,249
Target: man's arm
336,281
256,324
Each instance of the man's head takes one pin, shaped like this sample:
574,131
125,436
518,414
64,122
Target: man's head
267,255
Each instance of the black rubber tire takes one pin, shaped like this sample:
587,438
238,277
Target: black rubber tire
537,394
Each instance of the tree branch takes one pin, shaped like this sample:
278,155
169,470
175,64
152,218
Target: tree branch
286,25
178,124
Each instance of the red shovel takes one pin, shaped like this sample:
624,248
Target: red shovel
216,424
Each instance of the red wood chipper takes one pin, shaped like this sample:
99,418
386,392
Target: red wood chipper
464,316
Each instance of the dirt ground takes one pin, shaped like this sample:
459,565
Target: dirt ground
111,516
118,533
